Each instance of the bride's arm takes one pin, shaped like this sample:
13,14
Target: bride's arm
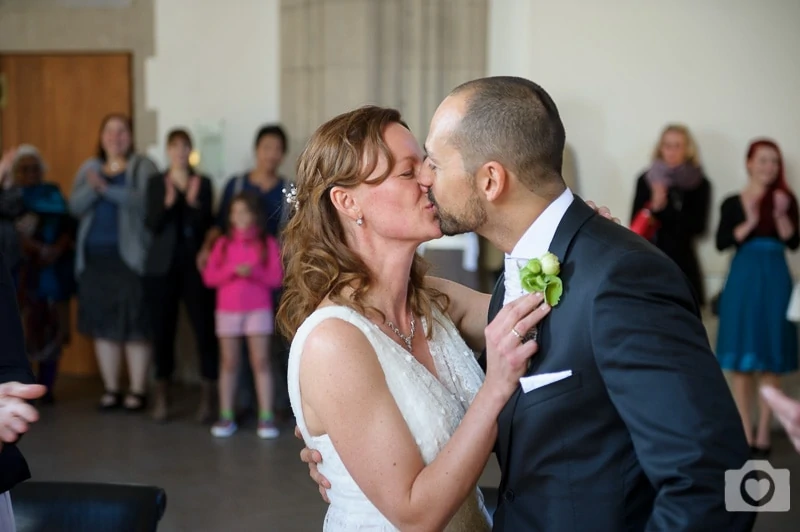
345,395
469,310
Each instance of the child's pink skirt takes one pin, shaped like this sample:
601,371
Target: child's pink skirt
253,323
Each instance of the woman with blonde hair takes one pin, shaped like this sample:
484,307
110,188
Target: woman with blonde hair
674,195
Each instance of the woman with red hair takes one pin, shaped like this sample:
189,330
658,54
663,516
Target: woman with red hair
754,335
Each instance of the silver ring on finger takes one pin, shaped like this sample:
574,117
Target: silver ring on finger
518,335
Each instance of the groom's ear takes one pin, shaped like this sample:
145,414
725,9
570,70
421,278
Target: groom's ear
492,180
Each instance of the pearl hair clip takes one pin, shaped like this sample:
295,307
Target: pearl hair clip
291,196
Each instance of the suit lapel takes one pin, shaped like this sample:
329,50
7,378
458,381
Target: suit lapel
577,214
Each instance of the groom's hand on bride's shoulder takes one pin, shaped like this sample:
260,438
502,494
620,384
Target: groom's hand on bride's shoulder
312,458
605,212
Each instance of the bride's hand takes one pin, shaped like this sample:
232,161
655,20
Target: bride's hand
605,212
312,458
506,353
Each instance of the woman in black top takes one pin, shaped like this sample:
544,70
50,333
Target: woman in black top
754,336
179,213
677,193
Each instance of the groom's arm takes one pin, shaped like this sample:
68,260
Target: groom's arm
653,353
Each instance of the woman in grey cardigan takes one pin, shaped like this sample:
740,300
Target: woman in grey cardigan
108,198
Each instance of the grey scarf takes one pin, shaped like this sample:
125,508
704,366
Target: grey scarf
684,176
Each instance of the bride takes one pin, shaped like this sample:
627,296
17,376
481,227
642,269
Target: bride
379,378
380,381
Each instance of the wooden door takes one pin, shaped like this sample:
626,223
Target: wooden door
56,102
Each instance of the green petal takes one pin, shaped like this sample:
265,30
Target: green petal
553,290
531,277
534,267
533,283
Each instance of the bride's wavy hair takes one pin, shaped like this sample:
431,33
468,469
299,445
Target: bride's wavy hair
343,152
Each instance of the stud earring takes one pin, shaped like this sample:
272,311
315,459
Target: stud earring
360,221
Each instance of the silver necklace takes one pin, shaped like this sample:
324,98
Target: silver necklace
407,339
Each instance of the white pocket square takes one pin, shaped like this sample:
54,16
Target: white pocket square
537,381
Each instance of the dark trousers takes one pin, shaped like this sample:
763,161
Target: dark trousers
164,294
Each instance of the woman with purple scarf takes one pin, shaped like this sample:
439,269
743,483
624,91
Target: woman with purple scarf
676,194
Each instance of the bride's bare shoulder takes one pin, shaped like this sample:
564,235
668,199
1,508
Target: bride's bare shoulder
336,338
338,368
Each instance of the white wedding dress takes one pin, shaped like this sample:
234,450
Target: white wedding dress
432,409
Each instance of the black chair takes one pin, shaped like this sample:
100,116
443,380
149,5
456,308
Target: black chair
87,507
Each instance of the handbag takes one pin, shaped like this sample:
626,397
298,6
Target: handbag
645,224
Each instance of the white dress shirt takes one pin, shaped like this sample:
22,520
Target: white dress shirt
534,243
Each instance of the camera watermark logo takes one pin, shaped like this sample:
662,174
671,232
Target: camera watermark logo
757,487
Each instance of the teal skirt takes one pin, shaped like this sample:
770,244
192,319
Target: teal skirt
754,334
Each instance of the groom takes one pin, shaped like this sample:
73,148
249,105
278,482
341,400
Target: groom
639,435
636,426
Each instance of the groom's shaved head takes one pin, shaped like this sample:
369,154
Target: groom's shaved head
512,121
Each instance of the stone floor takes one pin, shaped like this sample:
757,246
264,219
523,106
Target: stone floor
239,485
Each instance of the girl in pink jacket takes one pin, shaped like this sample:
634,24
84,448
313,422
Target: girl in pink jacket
244,267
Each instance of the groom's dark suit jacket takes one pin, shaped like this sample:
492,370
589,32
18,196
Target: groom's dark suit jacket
14,366
640,436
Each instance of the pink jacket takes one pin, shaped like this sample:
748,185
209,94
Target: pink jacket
236,293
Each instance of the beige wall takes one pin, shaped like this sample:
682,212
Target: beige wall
620,70
215,70
67,26
337,55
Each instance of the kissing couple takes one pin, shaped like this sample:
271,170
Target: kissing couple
596,387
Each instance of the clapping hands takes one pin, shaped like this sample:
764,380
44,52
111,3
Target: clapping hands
170,193
193,190
780,204
659,197
96,181
752,209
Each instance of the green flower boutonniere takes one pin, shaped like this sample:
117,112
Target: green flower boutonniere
541,275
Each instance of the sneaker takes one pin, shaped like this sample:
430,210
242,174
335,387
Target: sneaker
223,428
267,430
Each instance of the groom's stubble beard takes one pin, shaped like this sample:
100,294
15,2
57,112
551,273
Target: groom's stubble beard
473,216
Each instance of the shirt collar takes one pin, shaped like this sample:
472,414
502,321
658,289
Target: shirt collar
537,239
